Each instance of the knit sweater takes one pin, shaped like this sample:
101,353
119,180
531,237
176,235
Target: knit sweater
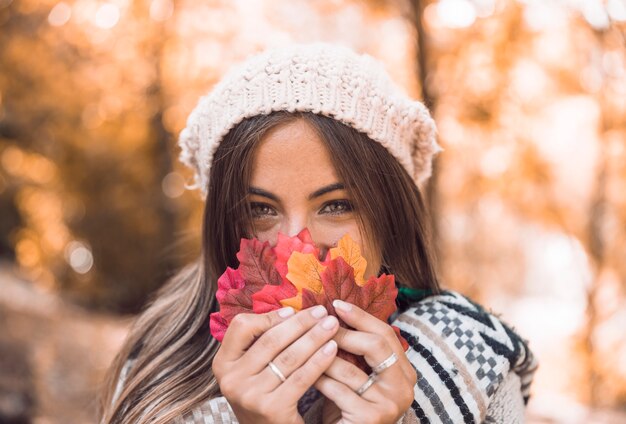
471,368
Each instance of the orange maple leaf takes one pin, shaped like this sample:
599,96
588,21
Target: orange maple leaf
304,271
351,253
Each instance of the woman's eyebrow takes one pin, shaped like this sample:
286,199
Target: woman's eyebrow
327,189
261,192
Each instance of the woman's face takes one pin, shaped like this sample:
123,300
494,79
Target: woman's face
294,185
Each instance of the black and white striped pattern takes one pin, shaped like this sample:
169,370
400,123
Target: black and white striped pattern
462,353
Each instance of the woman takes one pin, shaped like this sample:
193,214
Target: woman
317,137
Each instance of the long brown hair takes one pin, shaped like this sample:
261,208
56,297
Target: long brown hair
170,342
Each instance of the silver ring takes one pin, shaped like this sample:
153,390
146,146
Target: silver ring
370,380
393,358
276,371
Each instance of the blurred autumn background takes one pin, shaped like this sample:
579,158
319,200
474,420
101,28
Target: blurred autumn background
529,196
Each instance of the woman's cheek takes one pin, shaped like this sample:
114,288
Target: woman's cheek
266,232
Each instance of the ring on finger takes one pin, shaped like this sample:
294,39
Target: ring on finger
392,359
277,371
370,380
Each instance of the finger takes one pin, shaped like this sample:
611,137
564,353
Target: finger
346,373
344,397
298,352
276,339
371,406
304,377
360,320
373,347
348,340
245,328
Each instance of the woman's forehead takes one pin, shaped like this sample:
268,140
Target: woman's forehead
293,151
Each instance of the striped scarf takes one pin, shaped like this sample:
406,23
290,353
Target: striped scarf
461,353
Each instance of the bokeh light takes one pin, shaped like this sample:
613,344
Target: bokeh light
173,185
595,13
107,16
456,13
79,257
161,10
617,10
60,14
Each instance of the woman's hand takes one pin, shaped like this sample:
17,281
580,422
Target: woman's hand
299,345
392,392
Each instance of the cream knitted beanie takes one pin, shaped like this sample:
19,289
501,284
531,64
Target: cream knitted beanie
326,79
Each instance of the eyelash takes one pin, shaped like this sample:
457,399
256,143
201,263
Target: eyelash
345,203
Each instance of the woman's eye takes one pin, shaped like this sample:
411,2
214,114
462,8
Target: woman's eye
261,210
337,207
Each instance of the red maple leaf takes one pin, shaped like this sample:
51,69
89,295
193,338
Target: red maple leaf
268,298
257,263
236,287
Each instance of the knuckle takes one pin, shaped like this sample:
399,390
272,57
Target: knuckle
377,342
322,333
394,410
317,361
265,408
217,369
304,320
331,389
341,335
388,409
268,320
408,401
240,321
376,416
228,387
299,378
216,365
249,403
350,372
389,333
268,341
410,392
288,359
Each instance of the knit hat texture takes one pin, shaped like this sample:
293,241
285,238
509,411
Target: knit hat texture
325,79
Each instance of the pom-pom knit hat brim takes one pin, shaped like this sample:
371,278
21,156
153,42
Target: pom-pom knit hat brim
325,79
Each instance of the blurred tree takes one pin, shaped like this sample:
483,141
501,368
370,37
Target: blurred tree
607,249
530,109
84,142
429,98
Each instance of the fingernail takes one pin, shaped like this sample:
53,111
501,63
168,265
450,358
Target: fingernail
286,312
329,323
340,304
329,347
319,311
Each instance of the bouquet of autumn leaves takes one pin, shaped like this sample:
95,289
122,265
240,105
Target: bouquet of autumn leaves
290,274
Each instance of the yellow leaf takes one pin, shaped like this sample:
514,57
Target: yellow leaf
351,253
295,302
305,272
